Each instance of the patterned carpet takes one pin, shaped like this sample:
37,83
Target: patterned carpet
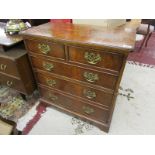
146,55
12,105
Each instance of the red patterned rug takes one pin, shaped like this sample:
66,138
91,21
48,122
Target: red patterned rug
40,110
145,56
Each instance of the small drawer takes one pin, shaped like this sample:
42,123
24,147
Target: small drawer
46,48
102,59
11,82
8,66
98,96
74,105
78,73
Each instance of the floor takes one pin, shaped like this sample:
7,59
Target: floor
145,56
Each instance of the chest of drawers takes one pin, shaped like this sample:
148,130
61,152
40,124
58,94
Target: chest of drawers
78,68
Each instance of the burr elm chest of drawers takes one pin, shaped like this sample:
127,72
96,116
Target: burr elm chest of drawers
78,68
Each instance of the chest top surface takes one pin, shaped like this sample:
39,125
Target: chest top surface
122,37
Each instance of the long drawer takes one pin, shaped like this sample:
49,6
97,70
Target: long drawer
72,71
75,105
46,48
86,92
8,66
102,59
11,82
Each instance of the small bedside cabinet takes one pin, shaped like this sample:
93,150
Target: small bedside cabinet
15,68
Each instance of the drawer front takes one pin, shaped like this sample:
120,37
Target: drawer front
11,82
75,105
8,66
109,61
46,48
86,92
81,74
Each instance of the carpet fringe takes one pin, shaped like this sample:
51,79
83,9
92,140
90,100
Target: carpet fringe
141,64
23,121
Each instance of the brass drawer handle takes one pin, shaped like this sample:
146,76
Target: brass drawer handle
89,94
9,83
3,67
52,97
92,58
48,66
51,82
44,48
91,77
88,110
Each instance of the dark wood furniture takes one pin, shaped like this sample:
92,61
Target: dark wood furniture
36,22
15,68
148,21
78,68
146,29
15,71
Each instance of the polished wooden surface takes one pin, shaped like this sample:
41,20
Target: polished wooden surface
14,52
122,38
11,82
16,72
75,105
35,46
7,60
106,80
101,97
83,77
109,61
8,66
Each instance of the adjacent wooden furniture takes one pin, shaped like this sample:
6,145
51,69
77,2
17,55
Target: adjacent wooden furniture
15,69
146,29
15,72
147,21
78,68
